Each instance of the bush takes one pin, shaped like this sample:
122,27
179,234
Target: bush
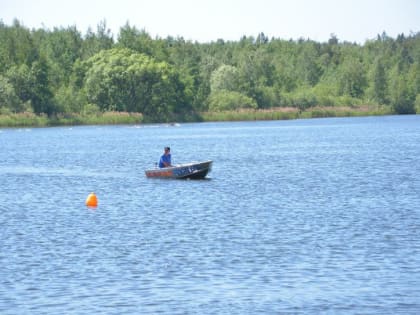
303,99
91,109
230,100
268,97
325,94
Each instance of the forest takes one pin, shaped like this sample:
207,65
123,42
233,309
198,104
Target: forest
63,73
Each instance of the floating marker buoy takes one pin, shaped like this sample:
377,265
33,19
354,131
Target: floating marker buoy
92,200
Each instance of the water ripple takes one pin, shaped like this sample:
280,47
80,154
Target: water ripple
316,216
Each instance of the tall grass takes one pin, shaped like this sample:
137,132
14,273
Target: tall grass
114,118
251,114
32,120
344,111
23,120
283,113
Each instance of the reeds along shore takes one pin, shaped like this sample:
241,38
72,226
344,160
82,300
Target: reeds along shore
284,113
32,120
116,118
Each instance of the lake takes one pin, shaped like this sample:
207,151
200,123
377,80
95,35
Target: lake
302,216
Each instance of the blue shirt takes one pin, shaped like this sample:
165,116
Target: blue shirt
164,158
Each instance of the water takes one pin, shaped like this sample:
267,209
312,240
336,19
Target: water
305,216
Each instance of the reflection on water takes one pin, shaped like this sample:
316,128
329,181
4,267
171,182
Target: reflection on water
307,216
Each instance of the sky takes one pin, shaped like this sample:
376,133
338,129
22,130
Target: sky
210,20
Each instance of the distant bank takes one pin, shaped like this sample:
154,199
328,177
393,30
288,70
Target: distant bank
119,118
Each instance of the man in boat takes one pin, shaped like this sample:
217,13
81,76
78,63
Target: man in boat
165,159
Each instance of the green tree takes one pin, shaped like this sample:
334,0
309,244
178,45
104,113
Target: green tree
41,96
95,42
402,99
61,48
23,82
9,101
16,46
380,86
224,78
134,39
413,78
123,80
308,64
352,78
230,100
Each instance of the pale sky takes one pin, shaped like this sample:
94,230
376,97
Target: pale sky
209,20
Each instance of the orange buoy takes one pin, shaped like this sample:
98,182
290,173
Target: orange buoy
92,200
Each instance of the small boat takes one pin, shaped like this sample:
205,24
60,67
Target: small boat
195,170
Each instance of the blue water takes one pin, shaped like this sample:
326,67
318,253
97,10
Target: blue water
303,216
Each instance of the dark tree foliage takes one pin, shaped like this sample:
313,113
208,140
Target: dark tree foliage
40,94
62,71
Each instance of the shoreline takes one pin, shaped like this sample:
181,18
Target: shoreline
26,119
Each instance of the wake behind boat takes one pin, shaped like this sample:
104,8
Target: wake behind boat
194,170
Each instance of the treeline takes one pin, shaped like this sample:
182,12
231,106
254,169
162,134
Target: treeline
60,71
